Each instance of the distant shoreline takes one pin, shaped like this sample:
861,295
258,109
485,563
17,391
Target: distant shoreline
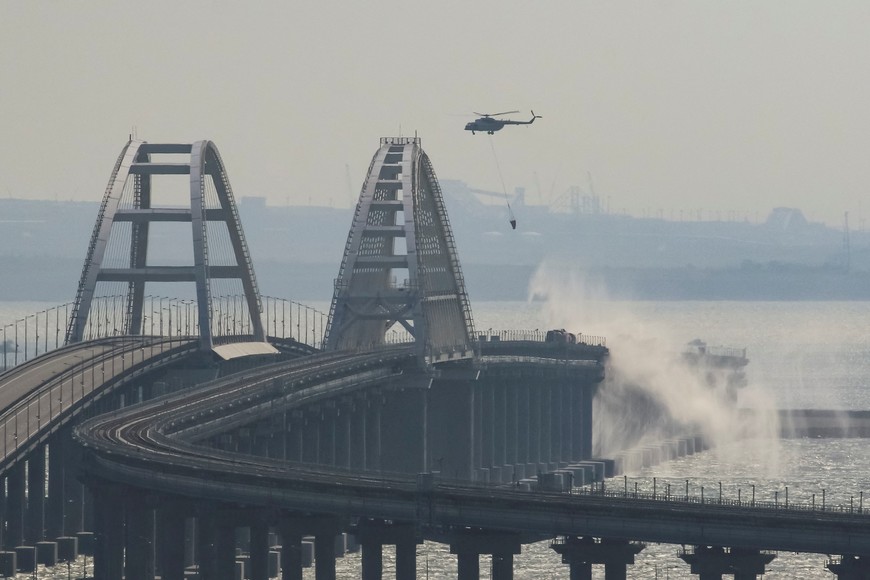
46,278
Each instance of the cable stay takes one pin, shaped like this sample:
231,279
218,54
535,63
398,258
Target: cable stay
512,220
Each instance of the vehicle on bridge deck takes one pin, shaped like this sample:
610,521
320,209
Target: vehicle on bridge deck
561,336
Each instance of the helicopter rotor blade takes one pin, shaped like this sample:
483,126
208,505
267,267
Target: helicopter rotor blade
494,114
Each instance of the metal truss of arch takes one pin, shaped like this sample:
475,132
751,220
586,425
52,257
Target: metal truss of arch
380,285
135,163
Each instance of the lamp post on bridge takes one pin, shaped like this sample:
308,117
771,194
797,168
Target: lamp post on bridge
160,306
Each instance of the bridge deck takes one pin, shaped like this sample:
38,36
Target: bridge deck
150,447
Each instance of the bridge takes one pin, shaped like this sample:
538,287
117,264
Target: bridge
327,428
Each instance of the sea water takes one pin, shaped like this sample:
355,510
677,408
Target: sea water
802,355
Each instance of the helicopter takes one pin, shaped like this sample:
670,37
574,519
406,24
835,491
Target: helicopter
487,123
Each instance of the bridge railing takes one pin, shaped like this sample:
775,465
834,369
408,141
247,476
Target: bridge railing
33,335
43,331
697,496
535,335
289,319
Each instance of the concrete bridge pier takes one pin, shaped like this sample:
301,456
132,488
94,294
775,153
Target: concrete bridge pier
545,406
15,504
372,535
511,432
343,413
373,431
580,553
711,562
293,435
326,447
292,528
311,436
216,543
171,541
469,545
108,535
451,419
357,416
140,537
534,429
259,549
521,403
850,567
404,432
73,490
56,502
35,528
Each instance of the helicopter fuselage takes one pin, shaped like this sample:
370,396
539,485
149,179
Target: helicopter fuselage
491,125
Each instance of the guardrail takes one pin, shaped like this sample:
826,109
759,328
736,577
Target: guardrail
697,495
43,331
536,335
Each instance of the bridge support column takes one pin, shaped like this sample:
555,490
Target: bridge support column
15,502
372,535
546,410
534,411
291,551
55,504
373,432
523,415
326,449
511,429
140,538
324,555
406,559
36,496
343,434
293,435
555,411
711,562
259,551
358,434
487,435
468,564
171,542
324,529
311,437
372,560
404,444
577,421
469,545
108,535
73,492
216,545
499,454
476,431
850,567
581,553
567,417
587,395
451,428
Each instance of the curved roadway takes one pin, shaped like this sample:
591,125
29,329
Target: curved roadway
155,447
40,395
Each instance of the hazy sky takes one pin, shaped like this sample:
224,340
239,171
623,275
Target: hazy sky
670,105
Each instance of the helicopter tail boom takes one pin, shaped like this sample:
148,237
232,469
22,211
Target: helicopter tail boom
529,122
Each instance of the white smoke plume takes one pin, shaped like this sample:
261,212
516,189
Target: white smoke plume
652,392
